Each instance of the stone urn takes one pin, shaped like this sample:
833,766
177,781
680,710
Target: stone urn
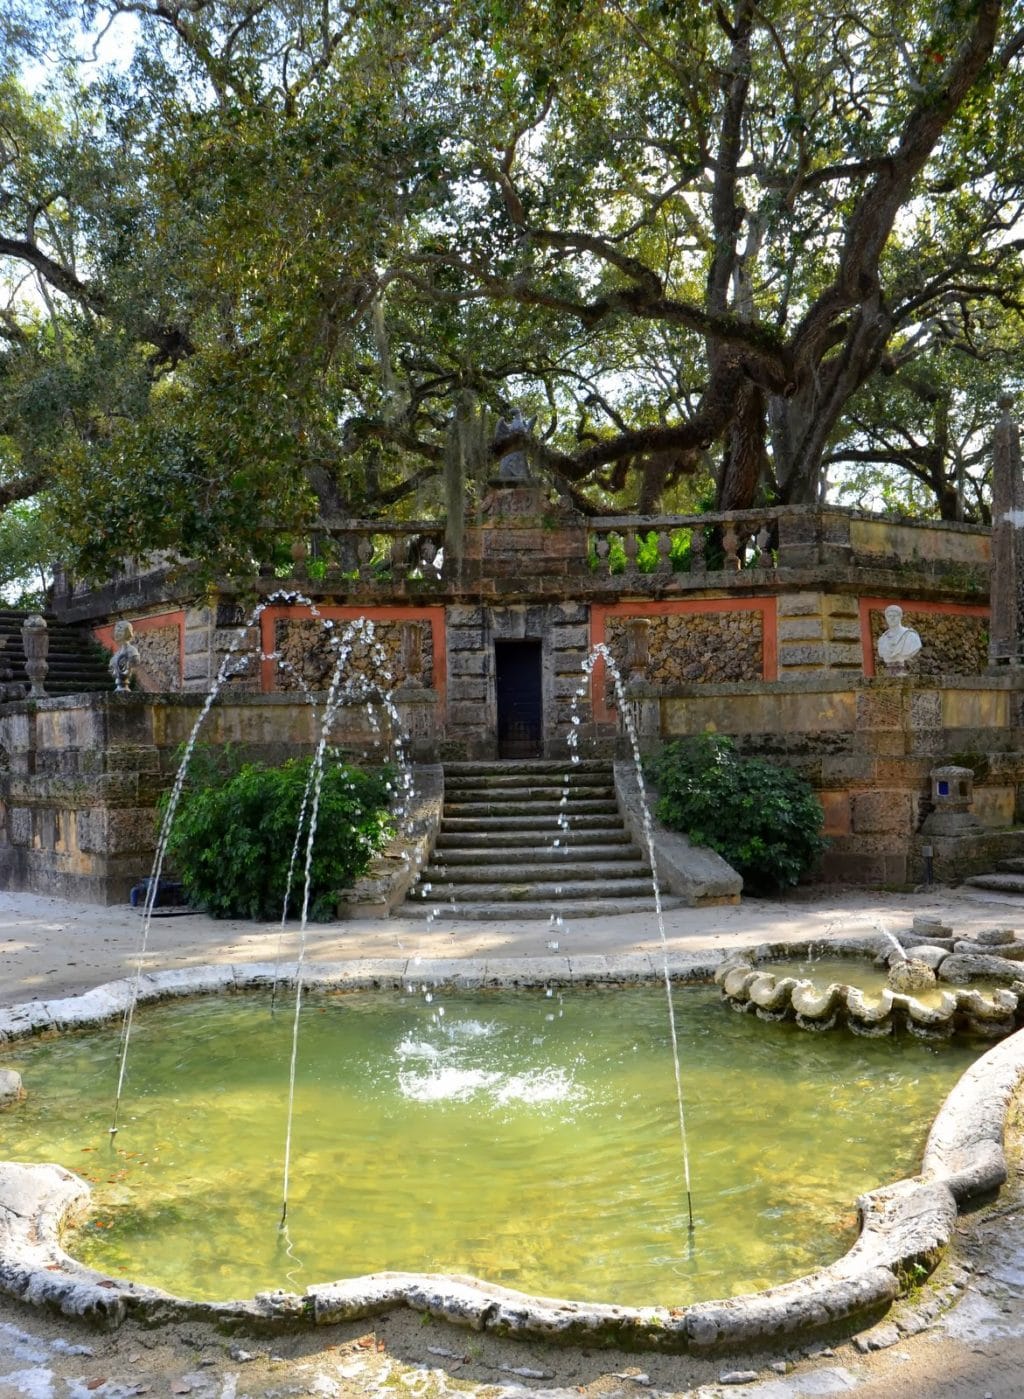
36,640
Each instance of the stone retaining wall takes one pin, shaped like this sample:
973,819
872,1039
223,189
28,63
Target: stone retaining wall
867,746
80,778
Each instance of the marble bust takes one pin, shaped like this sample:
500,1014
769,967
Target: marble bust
898,644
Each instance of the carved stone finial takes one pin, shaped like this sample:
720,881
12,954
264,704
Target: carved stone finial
126,657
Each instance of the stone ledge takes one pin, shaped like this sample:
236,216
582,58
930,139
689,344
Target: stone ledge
691,872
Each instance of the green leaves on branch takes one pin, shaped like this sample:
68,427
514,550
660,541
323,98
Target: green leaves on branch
233,835
764,819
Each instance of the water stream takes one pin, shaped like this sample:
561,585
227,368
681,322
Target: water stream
601,652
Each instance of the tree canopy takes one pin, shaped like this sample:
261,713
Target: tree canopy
258,267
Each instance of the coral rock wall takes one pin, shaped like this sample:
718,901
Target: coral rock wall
710,647
304,647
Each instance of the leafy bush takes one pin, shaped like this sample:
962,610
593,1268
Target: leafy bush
233,834
765,820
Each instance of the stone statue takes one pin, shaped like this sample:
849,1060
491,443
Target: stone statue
510,444
126,657
898,644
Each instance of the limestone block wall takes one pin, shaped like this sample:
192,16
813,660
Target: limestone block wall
818,631
867,747
80,778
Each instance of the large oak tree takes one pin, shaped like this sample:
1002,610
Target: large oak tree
261,271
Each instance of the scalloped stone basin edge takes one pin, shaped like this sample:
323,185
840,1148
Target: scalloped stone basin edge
904,1226
756,979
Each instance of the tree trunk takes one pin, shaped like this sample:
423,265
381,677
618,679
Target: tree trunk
745,465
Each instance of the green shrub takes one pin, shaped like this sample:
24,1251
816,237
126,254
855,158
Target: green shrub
765,820
233,834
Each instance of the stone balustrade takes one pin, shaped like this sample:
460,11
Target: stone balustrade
371,551
695,544
596,556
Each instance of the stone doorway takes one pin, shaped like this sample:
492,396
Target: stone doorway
518,686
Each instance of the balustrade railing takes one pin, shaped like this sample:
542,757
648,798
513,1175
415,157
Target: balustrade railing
371,551
693,544
412,557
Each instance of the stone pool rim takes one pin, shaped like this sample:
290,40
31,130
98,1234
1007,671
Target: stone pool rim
905,1227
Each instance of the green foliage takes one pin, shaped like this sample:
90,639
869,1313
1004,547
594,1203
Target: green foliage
255,267
765,820
234,832
26,555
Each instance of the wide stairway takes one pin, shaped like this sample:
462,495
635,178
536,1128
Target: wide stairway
76,663
531,839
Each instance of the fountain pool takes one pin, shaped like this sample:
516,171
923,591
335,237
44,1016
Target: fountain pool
525,1138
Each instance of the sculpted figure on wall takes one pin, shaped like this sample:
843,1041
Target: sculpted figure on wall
898,644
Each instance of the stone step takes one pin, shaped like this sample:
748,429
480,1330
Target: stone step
594,786
496,854
474,840
489,852
535,810
522,775
534,822
75,663
1014,865
497,872
529,911
543,767
998,883
508,892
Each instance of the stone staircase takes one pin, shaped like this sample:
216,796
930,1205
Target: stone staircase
496,854
77,663
1007,879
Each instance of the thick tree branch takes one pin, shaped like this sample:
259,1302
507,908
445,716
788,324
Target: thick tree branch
871,222
23,488
172,343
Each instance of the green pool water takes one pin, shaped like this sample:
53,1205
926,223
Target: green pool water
528,1139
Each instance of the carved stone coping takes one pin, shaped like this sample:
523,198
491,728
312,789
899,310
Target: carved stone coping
821,1003
904,1227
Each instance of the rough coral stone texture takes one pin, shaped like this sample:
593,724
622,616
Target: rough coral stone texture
160,655
304,646
951,644
697,646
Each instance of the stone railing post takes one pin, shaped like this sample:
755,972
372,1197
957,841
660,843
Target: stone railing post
36,640
800,538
